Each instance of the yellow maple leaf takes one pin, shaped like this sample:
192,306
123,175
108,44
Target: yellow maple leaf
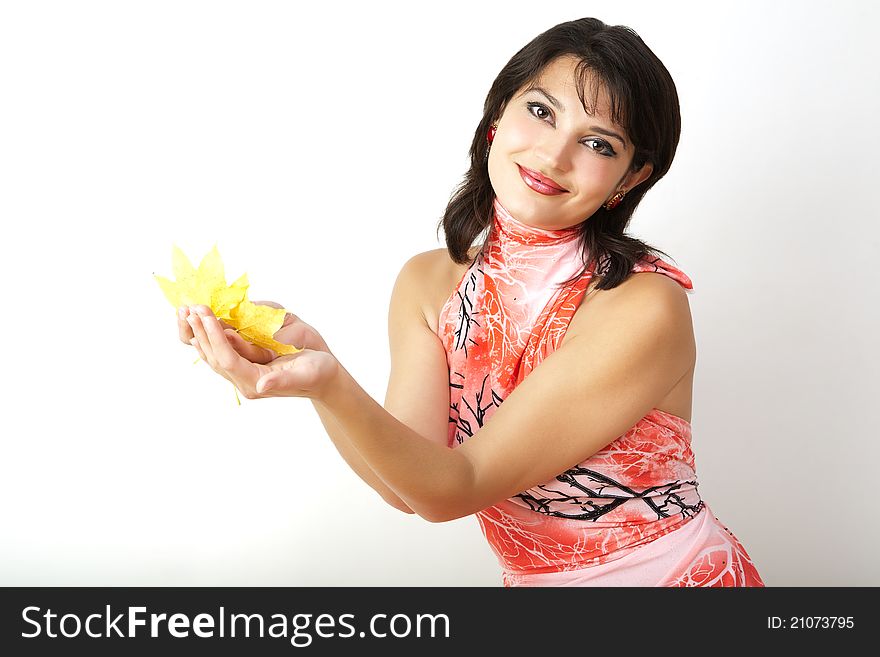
207,286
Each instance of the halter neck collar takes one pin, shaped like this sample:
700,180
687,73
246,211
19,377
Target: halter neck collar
510,230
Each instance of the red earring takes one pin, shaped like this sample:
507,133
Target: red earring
614,201
491,134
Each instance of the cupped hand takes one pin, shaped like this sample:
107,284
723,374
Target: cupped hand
307,373
293,331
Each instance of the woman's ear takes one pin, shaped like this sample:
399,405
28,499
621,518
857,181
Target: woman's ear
637,177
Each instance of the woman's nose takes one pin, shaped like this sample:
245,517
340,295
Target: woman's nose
553,151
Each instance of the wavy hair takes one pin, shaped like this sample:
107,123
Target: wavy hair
643,100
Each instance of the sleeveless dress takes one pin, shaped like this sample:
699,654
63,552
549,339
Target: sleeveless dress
630,514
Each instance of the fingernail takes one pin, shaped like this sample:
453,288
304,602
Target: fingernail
180,312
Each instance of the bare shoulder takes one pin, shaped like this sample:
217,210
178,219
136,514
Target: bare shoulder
427,270
432,277
646,285
420,278
644,295
425,262
439,262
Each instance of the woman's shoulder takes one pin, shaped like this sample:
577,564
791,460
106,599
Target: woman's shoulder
646,287
425,269
435,275
442,255
428,267
436,267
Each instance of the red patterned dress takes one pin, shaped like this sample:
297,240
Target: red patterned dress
630,514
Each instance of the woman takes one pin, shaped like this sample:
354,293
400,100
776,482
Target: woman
584,476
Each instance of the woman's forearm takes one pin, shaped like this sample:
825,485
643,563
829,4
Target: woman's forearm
430,478
355,460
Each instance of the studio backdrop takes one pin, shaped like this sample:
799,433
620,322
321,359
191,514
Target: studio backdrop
316,145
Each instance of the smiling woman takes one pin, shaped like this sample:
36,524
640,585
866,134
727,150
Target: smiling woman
558,152
546,388
561,119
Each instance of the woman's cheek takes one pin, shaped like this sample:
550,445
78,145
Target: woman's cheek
521,136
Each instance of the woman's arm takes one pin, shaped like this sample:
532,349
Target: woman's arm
418,385
426,475
295,331
579,399
583,396
355,460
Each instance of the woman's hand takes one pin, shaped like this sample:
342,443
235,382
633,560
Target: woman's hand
259,372
293,331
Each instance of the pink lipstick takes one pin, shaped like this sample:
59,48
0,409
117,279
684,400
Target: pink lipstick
540,183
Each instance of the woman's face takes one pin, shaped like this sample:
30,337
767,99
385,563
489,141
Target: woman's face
549,133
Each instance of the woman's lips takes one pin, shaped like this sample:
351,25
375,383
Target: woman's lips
539,183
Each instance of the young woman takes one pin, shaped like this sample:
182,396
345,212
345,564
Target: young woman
540,379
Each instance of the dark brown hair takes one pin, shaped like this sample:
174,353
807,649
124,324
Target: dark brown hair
643,101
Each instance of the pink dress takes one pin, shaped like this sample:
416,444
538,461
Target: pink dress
629,515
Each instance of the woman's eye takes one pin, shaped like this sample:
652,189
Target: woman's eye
602,146
540,111
540,108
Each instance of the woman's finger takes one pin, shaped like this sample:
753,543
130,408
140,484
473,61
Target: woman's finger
204,342
225,357
184,330
195,343
271,304
289,318
288,381
250,351
299,375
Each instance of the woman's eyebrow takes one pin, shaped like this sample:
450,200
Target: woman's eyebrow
608,133
549,97
558,105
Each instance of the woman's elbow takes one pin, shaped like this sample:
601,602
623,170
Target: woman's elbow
398,504
434,515
444,513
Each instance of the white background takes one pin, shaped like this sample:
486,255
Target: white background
317,145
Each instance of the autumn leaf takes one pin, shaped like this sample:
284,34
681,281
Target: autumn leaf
207,286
